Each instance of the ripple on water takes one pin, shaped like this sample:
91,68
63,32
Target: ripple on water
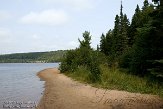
19,82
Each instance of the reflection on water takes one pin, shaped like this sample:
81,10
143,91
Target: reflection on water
19,83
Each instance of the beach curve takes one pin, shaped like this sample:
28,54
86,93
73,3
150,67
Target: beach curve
61,92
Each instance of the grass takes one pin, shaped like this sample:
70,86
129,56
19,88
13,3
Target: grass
116,79
81,74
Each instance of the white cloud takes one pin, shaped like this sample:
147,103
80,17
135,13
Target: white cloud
46,17
4,15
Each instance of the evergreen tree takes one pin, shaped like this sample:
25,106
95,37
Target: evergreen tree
85,49
139,19
86,42
159,2
136,18
98,48
125,33
103,44
135,23
146,4
121,18
146,10
116,26
147,51
122,34
116,40
121,37
155,60
109,43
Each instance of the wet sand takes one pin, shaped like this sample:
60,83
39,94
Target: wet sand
61,92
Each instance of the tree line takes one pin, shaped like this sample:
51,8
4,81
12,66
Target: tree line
52,56
135,46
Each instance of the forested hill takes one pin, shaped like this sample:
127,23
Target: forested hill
52,56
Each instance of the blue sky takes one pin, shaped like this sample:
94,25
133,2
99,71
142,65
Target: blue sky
48,25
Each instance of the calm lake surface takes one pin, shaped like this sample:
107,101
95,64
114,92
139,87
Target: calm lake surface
19,83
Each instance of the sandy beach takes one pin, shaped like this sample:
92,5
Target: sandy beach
61,92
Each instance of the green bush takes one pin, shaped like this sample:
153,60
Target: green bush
83,56
69,62
94,67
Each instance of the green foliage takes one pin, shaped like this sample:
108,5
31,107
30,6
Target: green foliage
52,56
125,59
116,41
80,74
140,52
146,4
136,22
86,42
157,1
69,62
94,67
119,79
83,56
106,43
103,44
135,47
148,46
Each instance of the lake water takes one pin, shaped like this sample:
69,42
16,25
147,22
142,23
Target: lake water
19,84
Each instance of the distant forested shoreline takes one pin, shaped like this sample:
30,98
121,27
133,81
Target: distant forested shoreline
33,57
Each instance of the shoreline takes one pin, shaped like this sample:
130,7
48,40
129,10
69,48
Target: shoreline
43,77
61,92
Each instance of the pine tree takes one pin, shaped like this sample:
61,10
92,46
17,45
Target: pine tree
146,10
135,23
98,48
147,51
123,32
103,44
159,2
155,60
86,42
120,34
121,18
116,40
125,29
109,42
146,4
136,18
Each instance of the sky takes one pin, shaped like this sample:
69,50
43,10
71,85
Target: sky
49,25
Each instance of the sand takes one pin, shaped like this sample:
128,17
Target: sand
61,92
